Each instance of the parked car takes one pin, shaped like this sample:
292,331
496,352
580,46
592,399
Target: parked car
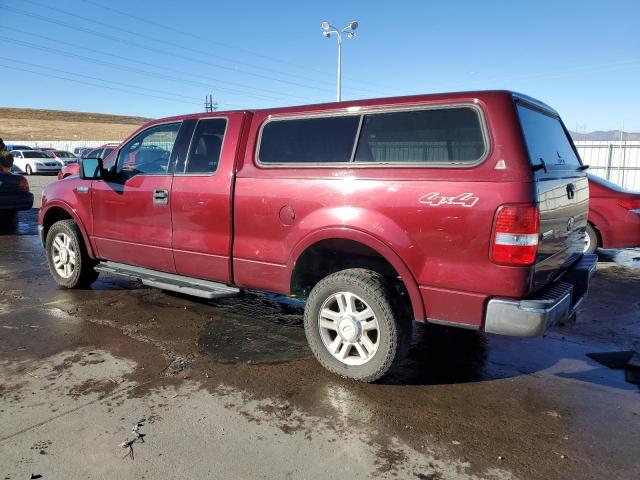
14,194
11,147
463,209
64,157
72,168
34,161
100,152
614,216
79,151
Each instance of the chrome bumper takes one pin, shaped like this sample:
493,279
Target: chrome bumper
526,318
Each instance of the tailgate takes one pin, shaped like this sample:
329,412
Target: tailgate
562,192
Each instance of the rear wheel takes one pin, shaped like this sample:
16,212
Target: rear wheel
69,263
354,326
591,240
28,170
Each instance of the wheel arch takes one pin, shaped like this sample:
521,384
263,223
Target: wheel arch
55,211
371,247
600,224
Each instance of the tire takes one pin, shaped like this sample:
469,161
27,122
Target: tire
28,170
592,240
73,268
355,357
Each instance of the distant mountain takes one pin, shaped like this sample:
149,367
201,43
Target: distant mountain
600,135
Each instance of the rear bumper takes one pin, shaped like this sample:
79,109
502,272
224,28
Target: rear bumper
530,317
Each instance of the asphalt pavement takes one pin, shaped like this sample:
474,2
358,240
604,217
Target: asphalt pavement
228,389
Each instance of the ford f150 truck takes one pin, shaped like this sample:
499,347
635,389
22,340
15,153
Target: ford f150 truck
463,209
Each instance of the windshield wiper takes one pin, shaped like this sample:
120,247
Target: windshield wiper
540,166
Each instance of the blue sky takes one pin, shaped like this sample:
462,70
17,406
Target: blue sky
159,57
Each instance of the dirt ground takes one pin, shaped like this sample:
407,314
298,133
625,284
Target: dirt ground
227,388
35,124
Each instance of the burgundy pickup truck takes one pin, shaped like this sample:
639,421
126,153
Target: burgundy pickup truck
462,209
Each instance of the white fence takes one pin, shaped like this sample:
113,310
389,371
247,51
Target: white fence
618,162
60,144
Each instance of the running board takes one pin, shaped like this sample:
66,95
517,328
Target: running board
169,281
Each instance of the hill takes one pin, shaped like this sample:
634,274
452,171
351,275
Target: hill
608,135
35,124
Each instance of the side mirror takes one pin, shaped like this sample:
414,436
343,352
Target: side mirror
91,169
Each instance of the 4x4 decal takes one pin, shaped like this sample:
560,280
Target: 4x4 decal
435,199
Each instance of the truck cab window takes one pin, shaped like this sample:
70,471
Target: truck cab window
148,152
206,146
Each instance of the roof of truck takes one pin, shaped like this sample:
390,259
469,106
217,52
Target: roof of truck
374,102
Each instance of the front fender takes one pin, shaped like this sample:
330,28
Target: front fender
42,215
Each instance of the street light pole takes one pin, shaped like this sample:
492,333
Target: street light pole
327,31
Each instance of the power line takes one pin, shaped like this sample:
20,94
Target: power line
13,67
226,45
208,53
155,39
75,74
131,69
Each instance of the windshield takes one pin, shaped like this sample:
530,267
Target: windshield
547,140
35,154
63,154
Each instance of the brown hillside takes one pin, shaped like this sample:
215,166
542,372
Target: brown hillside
34,124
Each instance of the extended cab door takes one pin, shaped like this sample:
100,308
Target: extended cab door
202,199
132,207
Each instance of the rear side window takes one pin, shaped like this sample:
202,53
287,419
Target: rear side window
308,140
206,146
450,136
437,136
546,140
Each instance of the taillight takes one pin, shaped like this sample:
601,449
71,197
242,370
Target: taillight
23,184
515,235
629,203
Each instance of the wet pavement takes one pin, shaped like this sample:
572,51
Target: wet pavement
228,388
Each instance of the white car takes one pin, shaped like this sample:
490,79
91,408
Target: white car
34,161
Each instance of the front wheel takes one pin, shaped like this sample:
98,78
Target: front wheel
69,263
28,170
591,240
354,326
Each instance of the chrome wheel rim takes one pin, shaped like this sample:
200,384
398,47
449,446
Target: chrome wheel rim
63,255
587,242
349,328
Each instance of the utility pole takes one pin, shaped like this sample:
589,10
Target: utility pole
209,104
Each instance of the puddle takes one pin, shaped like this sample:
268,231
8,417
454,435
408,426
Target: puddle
24,223
243,340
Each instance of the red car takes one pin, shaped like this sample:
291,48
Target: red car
614,216
101,152
464,209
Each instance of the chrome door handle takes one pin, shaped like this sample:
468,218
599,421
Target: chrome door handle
160,197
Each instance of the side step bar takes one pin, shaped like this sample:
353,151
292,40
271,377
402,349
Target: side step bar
169,281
